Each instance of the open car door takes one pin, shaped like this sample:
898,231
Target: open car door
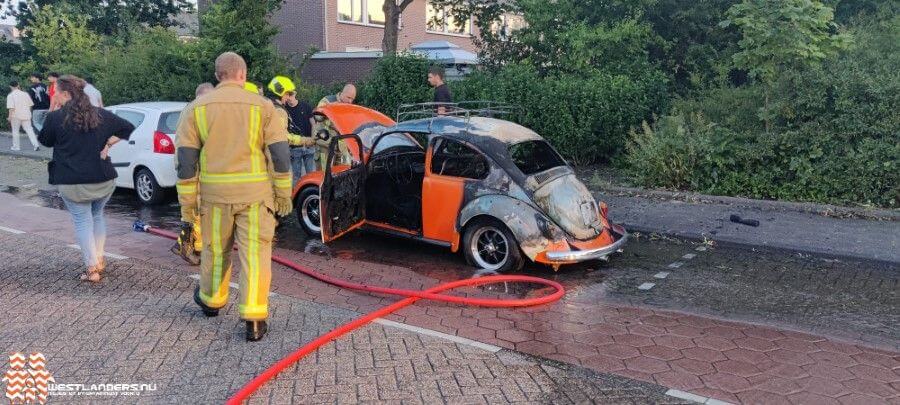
343,198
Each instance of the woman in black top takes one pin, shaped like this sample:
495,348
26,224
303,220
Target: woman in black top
81,135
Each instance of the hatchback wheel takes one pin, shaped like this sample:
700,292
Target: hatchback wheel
307,208
491,246
147,189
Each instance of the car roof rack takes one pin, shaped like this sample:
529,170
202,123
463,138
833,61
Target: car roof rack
463,109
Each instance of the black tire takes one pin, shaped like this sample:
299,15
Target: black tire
147,189
307,208
489,245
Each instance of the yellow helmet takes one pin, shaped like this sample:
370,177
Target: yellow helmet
280,85
251,87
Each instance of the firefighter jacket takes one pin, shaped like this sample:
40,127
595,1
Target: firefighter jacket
232,148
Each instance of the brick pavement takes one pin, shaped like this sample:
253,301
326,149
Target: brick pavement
731,361
140,326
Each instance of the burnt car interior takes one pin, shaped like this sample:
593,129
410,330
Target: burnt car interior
534,157
456,159
396,170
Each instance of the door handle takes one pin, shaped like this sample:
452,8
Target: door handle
131,142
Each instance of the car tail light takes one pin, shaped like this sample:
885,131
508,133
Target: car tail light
603,209
162,143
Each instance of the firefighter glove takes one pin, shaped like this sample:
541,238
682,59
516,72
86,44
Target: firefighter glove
283,206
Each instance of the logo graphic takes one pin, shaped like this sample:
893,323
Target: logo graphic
27,385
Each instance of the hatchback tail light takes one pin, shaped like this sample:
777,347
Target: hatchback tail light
162,143
603,209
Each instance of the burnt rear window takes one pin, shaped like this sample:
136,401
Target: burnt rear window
168,122
534,157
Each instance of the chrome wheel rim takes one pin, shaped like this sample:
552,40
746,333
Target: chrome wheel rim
309,210
490,248
144,187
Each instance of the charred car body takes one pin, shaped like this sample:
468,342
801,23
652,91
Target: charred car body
492,188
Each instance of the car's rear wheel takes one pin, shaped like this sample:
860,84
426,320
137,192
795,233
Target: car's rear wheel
307,208
148,190
489,245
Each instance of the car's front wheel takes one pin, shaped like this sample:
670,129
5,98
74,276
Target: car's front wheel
148,190
488,244
307,209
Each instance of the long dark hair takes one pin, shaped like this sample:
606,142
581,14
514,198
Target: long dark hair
78,111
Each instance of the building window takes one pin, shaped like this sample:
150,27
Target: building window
367,12
440,21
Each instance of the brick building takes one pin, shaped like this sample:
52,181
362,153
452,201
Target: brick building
348,34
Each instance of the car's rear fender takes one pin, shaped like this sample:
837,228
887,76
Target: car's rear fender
532,229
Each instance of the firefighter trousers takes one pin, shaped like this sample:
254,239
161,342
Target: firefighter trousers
252,226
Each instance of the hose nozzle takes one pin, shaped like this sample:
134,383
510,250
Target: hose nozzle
140,226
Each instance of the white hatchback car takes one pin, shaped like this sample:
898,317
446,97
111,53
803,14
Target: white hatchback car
146,162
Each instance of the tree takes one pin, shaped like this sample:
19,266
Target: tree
60,40
563,36
244,26
392,11
105,16
783,35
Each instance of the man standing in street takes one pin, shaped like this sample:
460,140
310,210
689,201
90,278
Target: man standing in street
93,94
38,92
442,96
233,156
19,105
347,95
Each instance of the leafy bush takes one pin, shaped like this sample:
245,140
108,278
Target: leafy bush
155,65
835,135
587,117
394,81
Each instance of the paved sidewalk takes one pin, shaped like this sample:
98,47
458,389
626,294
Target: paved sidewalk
725,360
140,327
25,145
779,228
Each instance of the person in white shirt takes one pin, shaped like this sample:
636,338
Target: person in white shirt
93,94
19,105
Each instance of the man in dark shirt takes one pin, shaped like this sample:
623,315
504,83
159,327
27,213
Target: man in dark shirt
441,91
38,93
300,123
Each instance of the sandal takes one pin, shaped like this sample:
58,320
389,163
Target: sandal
101,265
92,275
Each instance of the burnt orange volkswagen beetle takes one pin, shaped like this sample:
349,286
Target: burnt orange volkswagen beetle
489,187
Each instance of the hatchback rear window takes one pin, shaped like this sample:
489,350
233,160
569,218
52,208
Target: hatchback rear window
534,157
168,122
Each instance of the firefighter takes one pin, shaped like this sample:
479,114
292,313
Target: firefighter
190,241
285,97
346,95
233,156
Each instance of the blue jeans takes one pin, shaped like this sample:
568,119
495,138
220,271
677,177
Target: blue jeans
303,162
90,228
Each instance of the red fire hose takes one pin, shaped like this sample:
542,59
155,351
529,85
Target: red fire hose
411,297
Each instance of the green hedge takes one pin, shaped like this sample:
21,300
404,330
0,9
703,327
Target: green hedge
586,118
835,136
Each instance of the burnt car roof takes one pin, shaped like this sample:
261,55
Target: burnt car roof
476,130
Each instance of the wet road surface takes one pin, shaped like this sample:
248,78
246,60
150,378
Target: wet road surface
850,299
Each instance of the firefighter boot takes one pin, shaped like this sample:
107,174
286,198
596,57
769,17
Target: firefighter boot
209,312
256,330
